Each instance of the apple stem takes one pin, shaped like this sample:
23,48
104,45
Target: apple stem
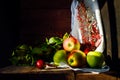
71,60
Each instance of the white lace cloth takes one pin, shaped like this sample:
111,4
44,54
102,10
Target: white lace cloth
75,25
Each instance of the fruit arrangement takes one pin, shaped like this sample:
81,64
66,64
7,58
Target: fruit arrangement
55,49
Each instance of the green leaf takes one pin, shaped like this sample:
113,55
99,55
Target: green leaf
23,47
13,53
36,50
54,40
47,41
66,35
14,60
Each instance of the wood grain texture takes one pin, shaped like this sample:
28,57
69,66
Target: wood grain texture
106,27
89,76
117,16
31,72
31,69
110,16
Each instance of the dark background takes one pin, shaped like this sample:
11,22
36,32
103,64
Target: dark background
9,34
28,20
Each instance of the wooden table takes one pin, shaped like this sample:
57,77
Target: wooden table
33,73
111,75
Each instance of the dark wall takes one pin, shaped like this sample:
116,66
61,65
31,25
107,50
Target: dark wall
44,18
8,29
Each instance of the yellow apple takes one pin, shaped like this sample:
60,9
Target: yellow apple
77,58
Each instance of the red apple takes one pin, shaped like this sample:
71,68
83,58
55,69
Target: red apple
77,58
71,43
40,64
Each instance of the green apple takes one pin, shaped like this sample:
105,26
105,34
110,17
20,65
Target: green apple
77,58
95,59
60,56
71,43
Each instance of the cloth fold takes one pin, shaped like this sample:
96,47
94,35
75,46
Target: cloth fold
105,68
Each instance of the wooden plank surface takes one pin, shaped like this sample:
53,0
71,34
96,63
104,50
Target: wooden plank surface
29,72
31,69
33,73
92,76
16,69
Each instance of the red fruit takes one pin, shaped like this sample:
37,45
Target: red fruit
86,51
40,64
71,43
